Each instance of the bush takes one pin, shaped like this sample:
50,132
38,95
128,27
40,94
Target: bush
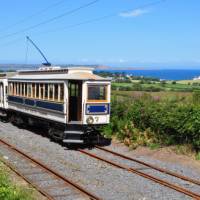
136,87
198,156
196,97
167,122
195,84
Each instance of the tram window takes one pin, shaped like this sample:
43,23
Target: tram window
0,90
33,90
56,92
13,88
10,88
97,92
42,91
51,91
11,92
73,90
17,89
25,89
29,90
37,90
46,91
22,89
61,92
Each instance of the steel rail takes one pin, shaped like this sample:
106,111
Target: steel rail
12,168
147,176
165,171
48,169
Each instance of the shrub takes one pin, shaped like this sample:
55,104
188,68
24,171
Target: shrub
137,87
198,156
167,122
196,97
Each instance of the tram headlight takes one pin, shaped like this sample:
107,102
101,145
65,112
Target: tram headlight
90,120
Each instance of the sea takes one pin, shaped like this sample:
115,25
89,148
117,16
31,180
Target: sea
164,74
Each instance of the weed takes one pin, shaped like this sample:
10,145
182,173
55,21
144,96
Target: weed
9,191
183,149
197,156
154,146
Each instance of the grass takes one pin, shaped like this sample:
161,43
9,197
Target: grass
10,191
133,133
122,84
135,81
154,146
188,81
169,95
184,149
179,86
198,156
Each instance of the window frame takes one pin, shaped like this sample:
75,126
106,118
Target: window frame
61,92
52,92
98,100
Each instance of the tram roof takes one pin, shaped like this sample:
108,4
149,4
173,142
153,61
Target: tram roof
73,73
5,75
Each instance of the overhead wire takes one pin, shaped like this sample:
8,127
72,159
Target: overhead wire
33,15
51,19
27,51
153,3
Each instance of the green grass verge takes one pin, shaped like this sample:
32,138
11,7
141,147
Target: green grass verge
10,191
198,156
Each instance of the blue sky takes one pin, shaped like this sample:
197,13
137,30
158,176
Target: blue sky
164,35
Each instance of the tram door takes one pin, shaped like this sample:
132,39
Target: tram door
75,100
1,95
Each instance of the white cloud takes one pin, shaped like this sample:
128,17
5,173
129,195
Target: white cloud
134,13
122,60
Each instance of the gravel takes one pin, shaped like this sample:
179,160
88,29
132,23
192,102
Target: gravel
176,181
105,181
44,180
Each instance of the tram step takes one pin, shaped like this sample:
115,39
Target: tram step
74,132
73,141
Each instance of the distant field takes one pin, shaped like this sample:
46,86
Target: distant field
188,81
135,81
162,95
168,86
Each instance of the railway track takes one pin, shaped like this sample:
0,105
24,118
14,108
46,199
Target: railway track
139,172
51,184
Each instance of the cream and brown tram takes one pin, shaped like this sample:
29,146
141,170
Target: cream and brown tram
69,102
